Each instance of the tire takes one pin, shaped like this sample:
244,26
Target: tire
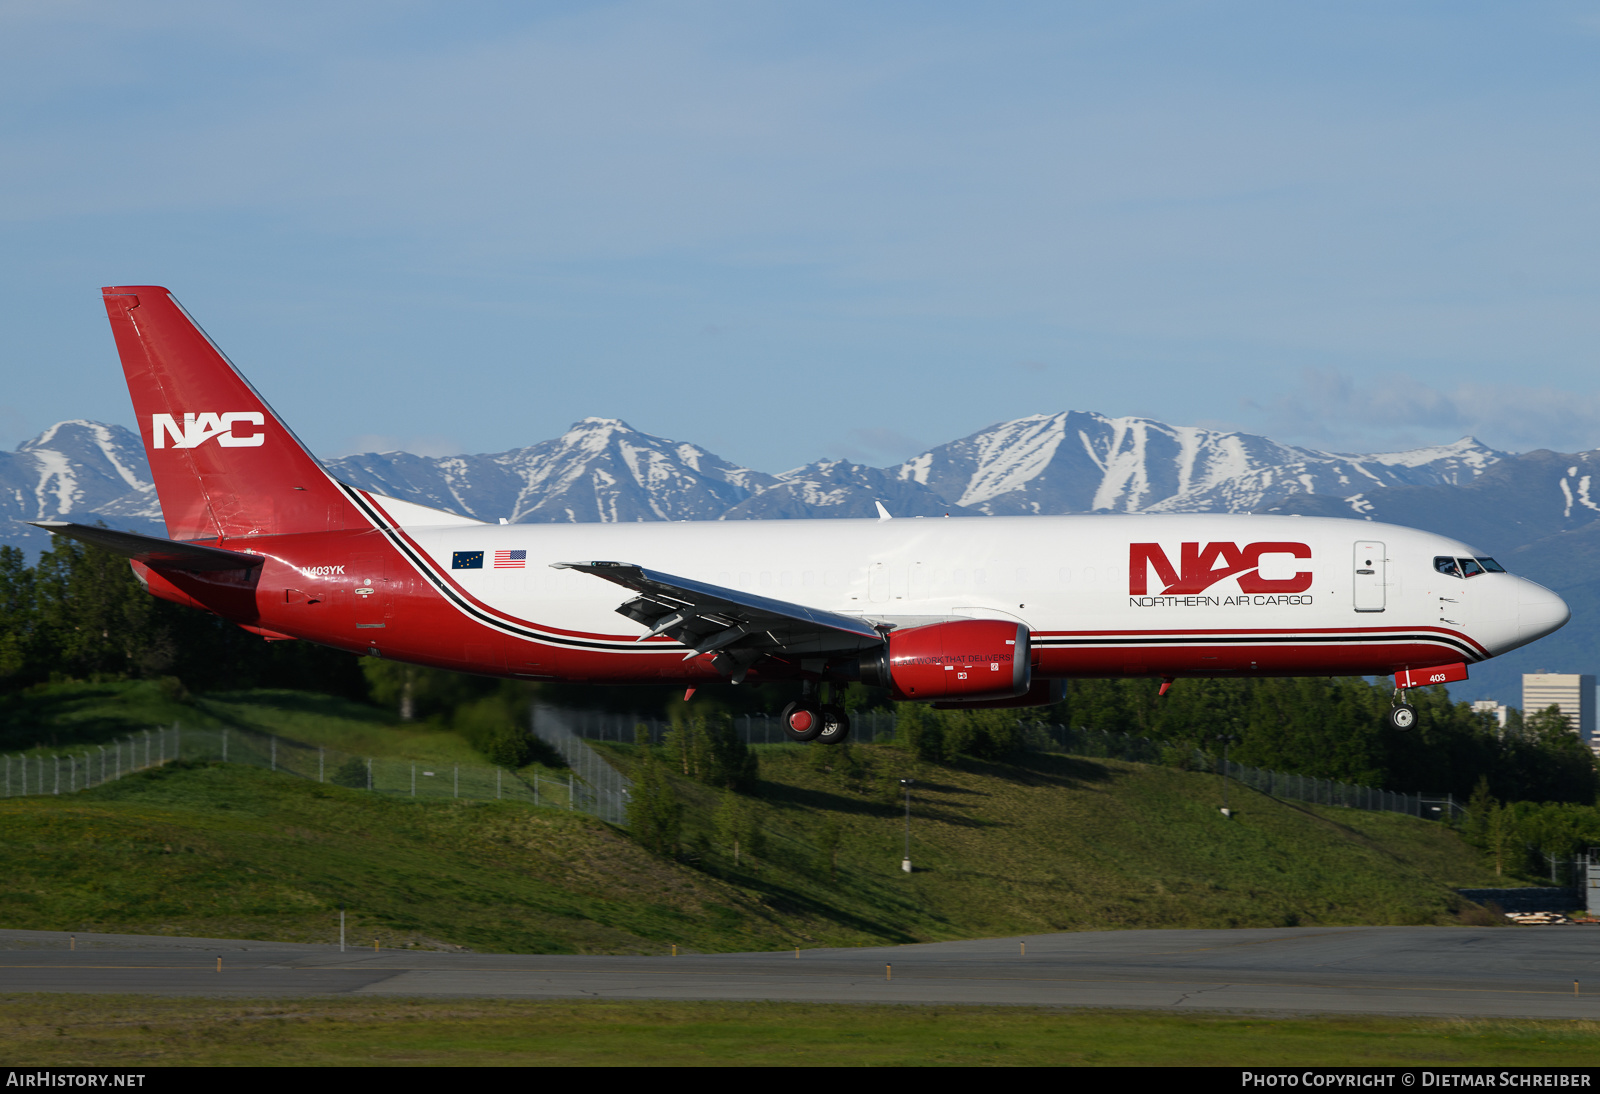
809,721
835,726
1402,716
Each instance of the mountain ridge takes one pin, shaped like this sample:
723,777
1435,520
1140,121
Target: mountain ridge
1539,510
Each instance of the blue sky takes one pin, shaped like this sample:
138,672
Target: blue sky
788,231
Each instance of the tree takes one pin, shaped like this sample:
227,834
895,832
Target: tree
655,816
351,773
738,827
704,745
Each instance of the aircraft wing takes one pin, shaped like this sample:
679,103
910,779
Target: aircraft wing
152,550
741,627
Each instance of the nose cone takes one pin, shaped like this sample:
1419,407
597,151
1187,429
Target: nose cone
1539,612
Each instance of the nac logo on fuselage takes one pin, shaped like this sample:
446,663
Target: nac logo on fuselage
197,429
1200,570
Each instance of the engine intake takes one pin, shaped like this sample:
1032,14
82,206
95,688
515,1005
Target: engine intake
967,659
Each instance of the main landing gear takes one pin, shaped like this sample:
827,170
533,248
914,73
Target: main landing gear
807,720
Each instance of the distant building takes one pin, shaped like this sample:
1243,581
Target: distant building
1489,706
1572,692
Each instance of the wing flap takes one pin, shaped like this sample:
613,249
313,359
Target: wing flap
740,626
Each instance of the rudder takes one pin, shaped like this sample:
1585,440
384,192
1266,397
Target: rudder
223,463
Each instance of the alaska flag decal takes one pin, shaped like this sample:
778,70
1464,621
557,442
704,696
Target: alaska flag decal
466,560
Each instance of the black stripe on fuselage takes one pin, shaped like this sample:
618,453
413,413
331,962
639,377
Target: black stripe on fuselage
1362,638
425,566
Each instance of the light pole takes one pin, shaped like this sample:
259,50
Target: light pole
1223,771
905,785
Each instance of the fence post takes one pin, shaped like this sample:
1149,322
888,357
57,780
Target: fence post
369,772
458,781
319,766
224,744
274,749
569,790
496,783
413,780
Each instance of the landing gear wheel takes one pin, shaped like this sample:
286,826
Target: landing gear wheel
801,721
1402,716
835,726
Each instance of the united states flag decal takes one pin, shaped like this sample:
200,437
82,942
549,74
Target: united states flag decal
510,560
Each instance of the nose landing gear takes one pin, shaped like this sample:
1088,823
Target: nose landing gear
1401,715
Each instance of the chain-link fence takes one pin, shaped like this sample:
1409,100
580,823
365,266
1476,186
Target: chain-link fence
593,785
878,726
600,788
80,767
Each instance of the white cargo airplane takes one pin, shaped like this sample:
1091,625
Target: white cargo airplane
992,612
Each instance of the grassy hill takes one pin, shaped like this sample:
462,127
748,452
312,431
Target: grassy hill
52,716
1055,843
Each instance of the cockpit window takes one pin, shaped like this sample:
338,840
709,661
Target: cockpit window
1466,567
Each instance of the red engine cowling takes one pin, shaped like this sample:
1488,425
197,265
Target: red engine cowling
967,659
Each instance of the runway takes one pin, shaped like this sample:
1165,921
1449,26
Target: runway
1438,971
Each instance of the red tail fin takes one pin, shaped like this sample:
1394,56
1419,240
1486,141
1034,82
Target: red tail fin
224,465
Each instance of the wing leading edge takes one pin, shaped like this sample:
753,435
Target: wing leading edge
738,628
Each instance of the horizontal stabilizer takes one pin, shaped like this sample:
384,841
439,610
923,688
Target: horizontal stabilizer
162,554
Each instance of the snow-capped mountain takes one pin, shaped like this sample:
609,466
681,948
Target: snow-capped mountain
84,471
1082,462
1538,511
603,469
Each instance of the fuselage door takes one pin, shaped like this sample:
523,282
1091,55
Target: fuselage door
1368,579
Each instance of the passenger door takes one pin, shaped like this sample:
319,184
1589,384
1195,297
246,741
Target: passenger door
1368,578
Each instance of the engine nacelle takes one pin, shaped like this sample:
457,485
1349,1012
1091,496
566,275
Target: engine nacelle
968,659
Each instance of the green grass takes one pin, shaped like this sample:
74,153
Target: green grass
54,717
132,1032
1052,843
59,715
1066,843
240,852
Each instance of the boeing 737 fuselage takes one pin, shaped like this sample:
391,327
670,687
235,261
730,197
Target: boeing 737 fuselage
993,611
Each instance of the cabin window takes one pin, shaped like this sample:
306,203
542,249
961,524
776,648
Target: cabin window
1447,566
1470,567
1491,565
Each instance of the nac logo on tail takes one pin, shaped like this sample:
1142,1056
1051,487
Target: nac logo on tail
1200,569
197,429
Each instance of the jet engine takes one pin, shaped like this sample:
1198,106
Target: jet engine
967,659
